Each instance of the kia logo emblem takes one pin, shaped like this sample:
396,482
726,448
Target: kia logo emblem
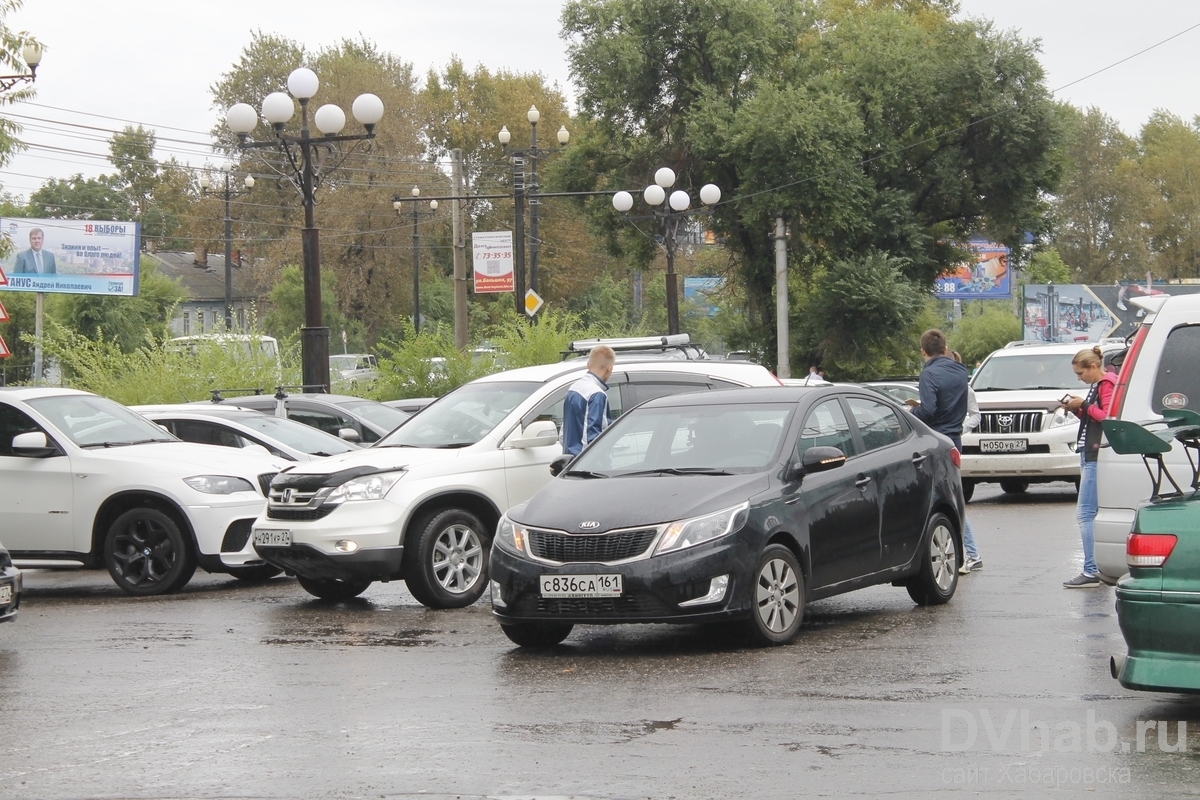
590,525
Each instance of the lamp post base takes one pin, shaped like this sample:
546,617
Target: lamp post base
314,350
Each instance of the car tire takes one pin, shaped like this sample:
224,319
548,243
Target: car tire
942,556
147,554
777,597
334,589
1013,486
262,572
536,634
968,487
446,559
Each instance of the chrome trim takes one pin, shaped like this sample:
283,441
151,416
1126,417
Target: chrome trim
649,552
716,593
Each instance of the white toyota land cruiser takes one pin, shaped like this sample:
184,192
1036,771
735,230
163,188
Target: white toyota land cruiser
1023,435
422,503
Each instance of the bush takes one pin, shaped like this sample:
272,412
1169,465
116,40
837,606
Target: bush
977,335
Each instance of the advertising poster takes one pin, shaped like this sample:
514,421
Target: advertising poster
701,291
492,256
1081,314
71,256
985,278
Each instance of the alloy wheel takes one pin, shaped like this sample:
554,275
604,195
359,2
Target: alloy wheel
143,552
944,556
778,595
457,558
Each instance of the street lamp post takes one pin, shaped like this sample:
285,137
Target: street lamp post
277,109
521,190
670,212
227,193
398,204
31,54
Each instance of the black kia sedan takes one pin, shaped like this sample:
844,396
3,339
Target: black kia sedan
733,506
10,587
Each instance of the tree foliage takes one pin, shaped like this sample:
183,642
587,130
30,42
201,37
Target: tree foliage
977,335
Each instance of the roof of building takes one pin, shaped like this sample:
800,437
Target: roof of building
203,282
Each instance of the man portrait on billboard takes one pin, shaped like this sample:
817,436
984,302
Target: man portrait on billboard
35,259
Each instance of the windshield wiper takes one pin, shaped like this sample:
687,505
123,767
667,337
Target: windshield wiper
679,471
1023,388
123,444
585,473
992,389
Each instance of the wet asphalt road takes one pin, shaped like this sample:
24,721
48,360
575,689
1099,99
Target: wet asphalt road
235,691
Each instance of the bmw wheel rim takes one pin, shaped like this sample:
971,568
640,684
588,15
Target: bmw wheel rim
777,595
944,556
143,552
457,559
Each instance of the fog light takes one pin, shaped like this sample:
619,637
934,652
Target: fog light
346,546
497,600
716,593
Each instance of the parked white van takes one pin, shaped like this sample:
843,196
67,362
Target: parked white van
1160,370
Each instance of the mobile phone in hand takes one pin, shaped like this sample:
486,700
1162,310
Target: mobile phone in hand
1066,398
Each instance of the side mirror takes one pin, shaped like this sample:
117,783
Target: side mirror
560,463
817,459
536,434
33,444
349,435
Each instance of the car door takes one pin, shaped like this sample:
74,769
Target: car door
528,469
839,507
36,494
902,475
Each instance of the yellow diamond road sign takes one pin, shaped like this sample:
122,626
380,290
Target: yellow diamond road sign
533,302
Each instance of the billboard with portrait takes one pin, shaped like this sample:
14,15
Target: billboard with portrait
71,256
1079,313
985,277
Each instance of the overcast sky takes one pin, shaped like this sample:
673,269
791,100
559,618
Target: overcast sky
152,62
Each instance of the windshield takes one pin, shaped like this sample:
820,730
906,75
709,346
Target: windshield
302,437
378,414
91,421
1027,371
683,440
462,417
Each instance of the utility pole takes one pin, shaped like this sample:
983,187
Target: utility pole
460,251
783,360
519,234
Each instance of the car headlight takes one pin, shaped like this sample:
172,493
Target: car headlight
368,487
691,532
512,537
1058,420
219,484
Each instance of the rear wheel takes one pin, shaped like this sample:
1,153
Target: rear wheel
1013,486
147,554
446,564
778,596
968,487
332,588
938,578
536,634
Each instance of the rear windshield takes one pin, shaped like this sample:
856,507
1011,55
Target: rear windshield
1177,384
1027,371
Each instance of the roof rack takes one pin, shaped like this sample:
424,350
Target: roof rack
643,344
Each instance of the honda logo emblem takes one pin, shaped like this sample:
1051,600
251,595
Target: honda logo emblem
288,494
591,525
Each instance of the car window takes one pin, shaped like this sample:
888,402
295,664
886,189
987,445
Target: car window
13,422
641,392
321,420
91,421
877,423
1177,384
552,407
206,433
826,426
302,437
462,417
377,413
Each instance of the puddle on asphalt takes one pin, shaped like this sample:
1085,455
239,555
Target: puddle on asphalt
340,637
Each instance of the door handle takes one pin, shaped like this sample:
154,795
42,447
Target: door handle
862,481
919,458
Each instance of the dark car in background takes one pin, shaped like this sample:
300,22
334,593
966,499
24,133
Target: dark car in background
232,426
737,505
351,418
10,587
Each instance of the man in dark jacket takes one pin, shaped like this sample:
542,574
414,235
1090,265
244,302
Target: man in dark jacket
943,407
943,388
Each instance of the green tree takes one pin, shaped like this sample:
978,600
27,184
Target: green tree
977,335
1171,163
1046,266
124,322
286,314
11,44
78,197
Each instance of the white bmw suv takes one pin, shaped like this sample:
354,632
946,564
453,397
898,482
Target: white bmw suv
421,504
87,482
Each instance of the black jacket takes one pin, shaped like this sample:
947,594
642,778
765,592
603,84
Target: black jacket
943,388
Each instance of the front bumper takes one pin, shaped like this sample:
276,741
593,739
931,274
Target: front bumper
1057,461
1159,629
652,589
11,577
220,527
376,564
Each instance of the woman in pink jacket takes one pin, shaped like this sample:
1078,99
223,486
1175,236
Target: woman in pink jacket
1089,366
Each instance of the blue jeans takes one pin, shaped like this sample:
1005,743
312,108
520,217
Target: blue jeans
1085,514
968,535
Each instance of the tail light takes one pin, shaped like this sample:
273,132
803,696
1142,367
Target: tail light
1122,386
1148,549
956,457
